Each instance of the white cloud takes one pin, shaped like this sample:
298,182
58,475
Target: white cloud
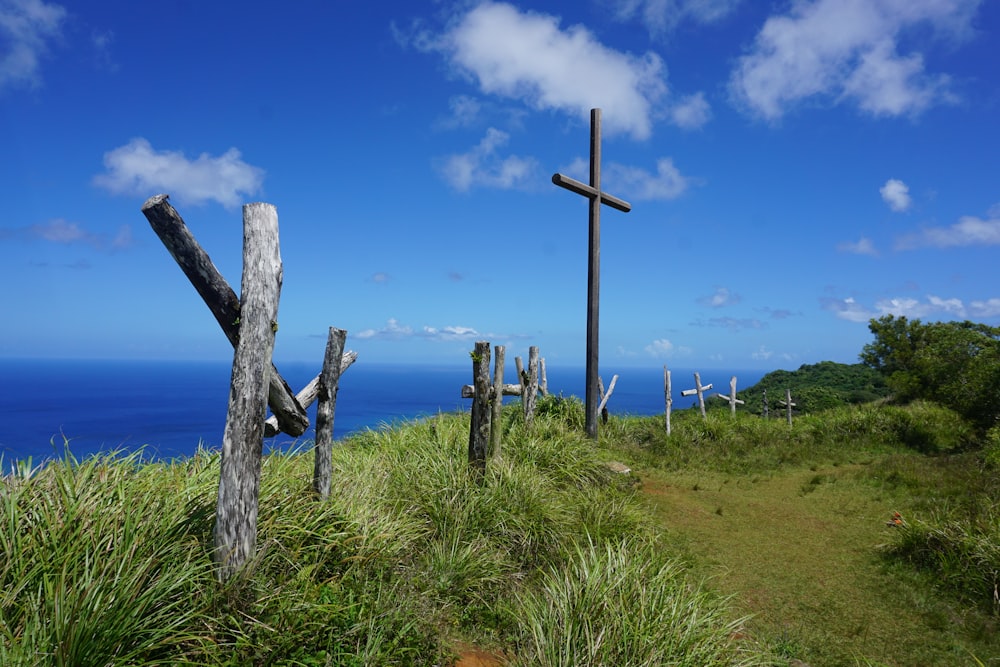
137,169
63,232
393,330
639,184
987,308
896,194
762,354
968,231
847,50
691,112
931,307
481,166
721,297
663,16
864,246
527,56
662,348
847,309
26,29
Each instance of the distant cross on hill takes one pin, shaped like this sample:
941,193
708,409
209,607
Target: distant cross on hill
593,192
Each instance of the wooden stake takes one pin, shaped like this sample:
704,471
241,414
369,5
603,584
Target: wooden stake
235,529
329,379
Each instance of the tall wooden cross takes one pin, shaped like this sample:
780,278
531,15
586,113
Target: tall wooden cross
593,192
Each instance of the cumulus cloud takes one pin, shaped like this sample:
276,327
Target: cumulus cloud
863,246
27,27
896,194
932,306
137,169
64,232
691,112
527,56
721,297
639,184
968,231
848,51
483,166
662,16
663,348
393,330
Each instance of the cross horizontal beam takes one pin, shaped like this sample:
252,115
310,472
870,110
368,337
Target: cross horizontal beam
587,191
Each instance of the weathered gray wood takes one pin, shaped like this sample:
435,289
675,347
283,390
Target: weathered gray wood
543,380
731,398
469,391
605,397
530,396
788,405
220,299
235,532
499,351
597,197
307,396
700,390
329,378
668,397
479,427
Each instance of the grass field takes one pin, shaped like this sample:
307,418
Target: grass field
732,542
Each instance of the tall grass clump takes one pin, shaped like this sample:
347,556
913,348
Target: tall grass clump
623,603
100,566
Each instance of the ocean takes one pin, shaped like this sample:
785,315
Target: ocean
166,408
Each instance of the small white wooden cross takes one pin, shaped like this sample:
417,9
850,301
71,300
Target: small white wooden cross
700,390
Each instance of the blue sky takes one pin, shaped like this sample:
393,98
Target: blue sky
794,169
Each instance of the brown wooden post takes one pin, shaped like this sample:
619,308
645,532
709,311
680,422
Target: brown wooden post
668,397
325,409
235,532
479,428
220,299
596,197
496,420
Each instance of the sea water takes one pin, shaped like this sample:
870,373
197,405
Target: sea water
168,408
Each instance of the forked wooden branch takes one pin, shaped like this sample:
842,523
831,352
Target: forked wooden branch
308,395
221,300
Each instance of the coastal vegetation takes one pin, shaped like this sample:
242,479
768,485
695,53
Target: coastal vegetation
867,533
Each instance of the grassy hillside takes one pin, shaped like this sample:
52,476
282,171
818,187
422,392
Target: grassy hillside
733,542
816,387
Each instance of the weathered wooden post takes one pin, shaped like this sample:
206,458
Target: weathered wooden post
479,427
596,197
529,386
731,398
220,299
787,403
235,529
329,378
765,404
700,390
668,397
496,418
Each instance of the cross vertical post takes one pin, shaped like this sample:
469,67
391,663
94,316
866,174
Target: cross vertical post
596,197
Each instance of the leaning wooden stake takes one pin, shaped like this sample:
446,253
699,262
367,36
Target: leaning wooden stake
479,428
308,395
220,299
602,408
530,392
235,529
328,380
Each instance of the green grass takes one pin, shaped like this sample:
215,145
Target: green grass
747,543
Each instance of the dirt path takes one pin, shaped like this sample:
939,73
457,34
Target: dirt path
799,552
